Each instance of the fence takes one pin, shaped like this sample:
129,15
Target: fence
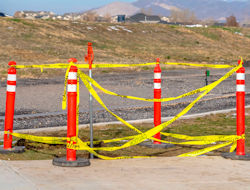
73,143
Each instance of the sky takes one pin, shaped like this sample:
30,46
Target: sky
56,6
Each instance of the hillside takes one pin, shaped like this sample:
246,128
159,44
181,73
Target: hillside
117,8
42,41
204,9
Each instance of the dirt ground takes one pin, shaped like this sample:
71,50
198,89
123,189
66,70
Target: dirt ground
202,173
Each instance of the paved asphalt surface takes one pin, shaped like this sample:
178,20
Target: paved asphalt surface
44,96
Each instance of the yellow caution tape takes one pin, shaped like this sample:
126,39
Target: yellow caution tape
233,147
144,99
51,66
83,146
201,65
47,140
64,100
121,65
77,106
205,138
95,95
86,66
205,150
81,66
156,129
141,136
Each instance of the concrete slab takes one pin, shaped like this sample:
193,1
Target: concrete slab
11,179
203,173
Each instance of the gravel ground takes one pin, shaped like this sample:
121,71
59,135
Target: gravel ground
43,97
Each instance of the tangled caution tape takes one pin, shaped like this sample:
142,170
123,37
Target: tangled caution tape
77,144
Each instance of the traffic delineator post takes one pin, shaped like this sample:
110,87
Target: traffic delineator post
240,116
10,105
157,95
72,105
240,109
71,160
9,112
157,110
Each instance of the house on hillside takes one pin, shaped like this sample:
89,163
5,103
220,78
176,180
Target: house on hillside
2,15
246,25
219,24
121,18
34,14
143,18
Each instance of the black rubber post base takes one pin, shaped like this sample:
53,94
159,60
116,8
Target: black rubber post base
152,145
79,162
15,149
233,156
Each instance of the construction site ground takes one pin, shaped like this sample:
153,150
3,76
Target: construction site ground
203,173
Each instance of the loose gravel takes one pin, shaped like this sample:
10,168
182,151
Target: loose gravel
38,102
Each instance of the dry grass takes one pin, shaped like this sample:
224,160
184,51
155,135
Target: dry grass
46,41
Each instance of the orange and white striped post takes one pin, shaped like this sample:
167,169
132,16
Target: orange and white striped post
71,160
10,106
157,95
72,107
9,113
240,109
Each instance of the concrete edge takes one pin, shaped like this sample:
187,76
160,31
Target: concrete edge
84,126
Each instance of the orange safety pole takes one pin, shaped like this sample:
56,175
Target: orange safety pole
157,95
240,109
71,160
10,105
72,107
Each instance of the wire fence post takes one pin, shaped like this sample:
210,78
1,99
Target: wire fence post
90,58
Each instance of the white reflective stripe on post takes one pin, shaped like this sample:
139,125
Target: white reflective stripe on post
11,88
72,76
240,76
240,88
72,87
157,75
157,85
11,77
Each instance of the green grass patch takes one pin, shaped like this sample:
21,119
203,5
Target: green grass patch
232,29
211,35
24,22
220,124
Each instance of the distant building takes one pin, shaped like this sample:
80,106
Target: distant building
246,25
121,18
219,24
143,18
165,19
2,15
34,14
